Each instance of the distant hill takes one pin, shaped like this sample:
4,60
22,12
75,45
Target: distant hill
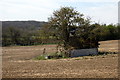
21,32
23,24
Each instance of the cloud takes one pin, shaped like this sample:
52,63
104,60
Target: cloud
107,13
89,0
27,9
104,11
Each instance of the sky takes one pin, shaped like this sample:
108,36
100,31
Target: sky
100,11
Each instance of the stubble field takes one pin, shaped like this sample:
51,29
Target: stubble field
18,62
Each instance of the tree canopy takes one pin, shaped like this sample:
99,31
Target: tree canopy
72,29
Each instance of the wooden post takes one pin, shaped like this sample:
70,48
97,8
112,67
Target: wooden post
44,51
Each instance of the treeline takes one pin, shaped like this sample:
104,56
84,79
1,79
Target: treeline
17,36
21,32
107,32
13,35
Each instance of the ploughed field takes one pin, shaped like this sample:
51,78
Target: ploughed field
18,62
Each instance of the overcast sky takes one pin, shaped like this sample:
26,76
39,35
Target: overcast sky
102,11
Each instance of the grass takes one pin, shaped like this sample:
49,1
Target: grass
62,56
51,56
41,57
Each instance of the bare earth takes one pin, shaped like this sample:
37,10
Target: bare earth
18,63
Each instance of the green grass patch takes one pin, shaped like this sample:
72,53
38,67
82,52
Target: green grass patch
51,56
41,57
63,56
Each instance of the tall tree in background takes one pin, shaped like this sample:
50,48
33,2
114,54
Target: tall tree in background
70,27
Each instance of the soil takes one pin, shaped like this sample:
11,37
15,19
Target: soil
18,62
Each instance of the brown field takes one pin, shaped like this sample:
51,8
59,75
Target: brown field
18,63
109,46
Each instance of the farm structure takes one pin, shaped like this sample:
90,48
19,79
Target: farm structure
83,52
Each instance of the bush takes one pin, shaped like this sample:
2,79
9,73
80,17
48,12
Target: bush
56,55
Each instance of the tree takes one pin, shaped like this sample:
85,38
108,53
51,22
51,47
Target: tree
10,36
70,27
